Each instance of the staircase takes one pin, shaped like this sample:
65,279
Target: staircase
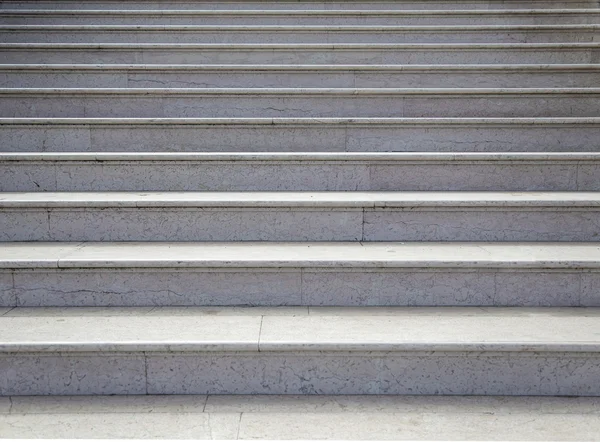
261,197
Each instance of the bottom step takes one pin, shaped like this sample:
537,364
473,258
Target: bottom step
302,350
304,417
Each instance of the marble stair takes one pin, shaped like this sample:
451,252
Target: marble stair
300,198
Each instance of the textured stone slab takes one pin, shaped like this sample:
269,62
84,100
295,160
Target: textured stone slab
498,405
129,333
313,135
309,416
68,405
340,354
7,294
499,330
298,17
294,102
486,331
75,374
295,255
46,312
174,425
212,287
446,288
339,274
369,373
417,426
298,34
150,76
303,373
301,172
321,54
301,5
300,216
330,200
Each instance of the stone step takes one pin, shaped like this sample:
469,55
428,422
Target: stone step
298,102
300,17
301,351
34,172
300,216
295,5
299,135
80,274
306,417
264,76
343,53
298,34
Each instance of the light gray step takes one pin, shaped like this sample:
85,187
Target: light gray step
310,417
300,135
278,274
395,53
347,76
298,34
298,102
300,351
34,172
295,5
300,216
345,16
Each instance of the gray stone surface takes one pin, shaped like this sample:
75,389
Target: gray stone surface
302,5
303,135
300,172
7,295
56,374
174,425
300,216
383,300
216,287
464,53
308,416
365,76
417,426
298,34
148,288
321,373
293,102
298,18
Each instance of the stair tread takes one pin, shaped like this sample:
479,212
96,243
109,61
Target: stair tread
299,199
328,12
298,46
309,417
304,91
384,157
538,255
316,121
145,67
304,28
189,329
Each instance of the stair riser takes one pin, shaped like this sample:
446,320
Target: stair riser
50,35
293,5
343,79
273,176
203,105
299,286
307,138
299,56
461,373
293,224
299,20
